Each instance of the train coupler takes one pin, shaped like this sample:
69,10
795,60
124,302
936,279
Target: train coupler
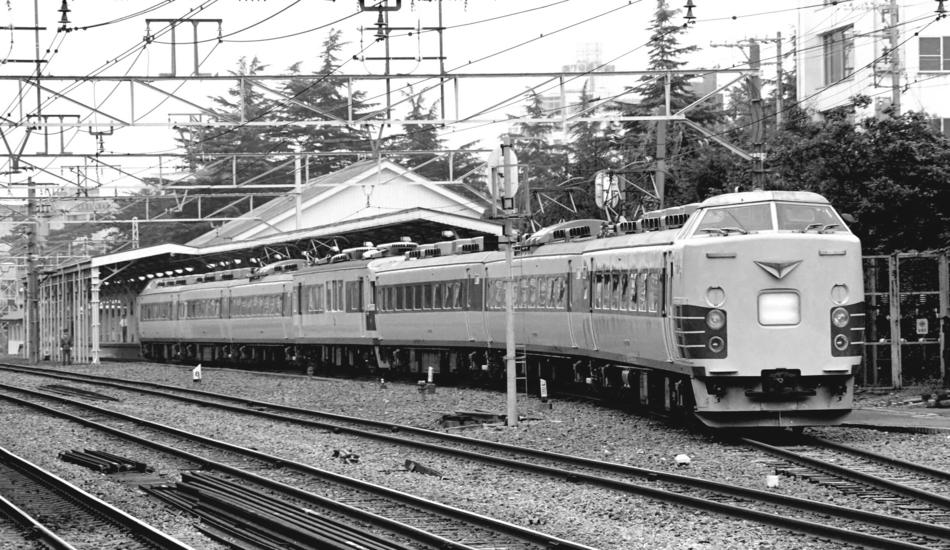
781,384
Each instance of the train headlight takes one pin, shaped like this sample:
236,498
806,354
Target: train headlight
715,344
841,342
839,294
715,319
715,296
779,308
840,317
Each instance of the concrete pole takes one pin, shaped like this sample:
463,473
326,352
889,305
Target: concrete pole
32,280
511,385
895,60
780,76
298,197
94,311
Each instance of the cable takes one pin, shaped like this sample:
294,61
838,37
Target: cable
799,102
118,19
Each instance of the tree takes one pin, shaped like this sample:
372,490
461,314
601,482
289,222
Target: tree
889,172
425,137
544,163
590,151
324,98
640,138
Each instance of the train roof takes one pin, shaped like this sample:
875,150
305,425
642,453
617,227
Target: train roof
763,196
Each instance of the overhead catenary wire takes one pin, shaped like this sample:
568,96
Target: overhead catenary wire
799,102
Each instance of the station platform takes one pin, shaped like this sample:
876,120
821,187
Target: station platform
901,419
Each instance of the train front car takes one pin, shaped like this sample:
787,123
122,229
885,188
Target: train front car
768,309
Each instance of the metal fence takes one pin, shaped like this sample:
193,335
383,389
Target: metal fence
906,296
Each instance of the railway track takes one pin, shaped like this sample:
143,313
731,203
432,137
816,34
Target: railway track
71,518
823,520
914,490
421,521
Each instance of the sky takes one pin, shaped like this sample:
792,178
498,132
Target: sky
481,36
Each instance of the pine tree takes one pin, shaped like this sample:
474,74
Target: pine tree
590,152
425,137
324,98
544,164
640,145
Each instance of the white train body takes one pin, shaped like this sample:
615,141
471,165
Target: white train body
745,310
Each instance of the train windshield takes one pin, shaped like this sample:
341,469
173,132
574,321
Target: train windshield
804,218
739,219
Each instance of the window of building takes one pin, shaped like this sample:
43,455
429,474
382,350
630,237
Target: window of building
838,50
934,53
941,125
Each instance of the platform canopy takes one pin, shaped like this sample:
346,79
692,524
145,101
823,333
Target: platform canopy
134,268
373,201
366,189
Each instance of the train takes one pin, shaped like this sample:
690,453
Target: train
743,310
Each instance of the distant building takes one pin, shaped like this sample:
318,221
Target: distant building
842,51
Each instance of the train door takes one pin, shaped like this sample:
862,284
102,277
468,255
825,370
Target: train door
591,332
569,284
470,301
370,309
667,304
581,305
357,296
483,314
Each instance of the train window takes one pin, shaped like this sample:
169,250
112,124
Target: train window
315,295
624,291
532,292
456,295
436,295
544,291
808,217
598,289
735,219
500,293
417,296
653,292
616,293
641,291
560,292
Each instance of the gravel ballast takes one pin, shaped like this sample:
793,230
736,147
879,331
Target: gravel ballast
591,516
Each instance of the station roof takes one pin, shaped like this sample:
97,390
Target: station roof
132,269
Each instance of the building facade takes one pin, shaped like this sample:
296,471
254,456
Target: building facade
846,49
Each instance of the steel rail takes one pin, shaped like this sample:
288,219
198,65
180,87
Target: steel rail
435,507
852,475
136,527
910,526
891,461
36,529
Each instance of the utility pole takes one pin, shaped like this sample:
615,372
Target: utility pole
508,200
32,280
895,60
755,102
659,173
758,124
779,80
